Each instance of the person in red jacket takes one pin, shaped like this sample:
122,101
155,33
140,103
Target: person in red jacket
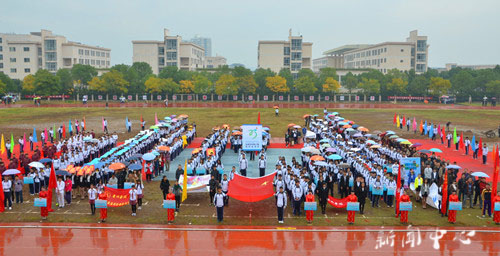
452,215
104,211
309,214
44,212
405,198
352,198
496,214
170,212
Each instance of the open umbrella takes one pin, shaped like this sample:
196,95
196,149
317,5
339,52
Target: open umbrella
331,150
315,151
317,158
355,149
363,129
310,135
320,163
237,133
291,125
435,150
480,174
371,142
116,166
324,141
344,165
297,126
36,165
148,156
425,151
154,127
355,126
416,145
306,149
306,116
334,157
453,167
62,173
135,157
357,135
163,148
405,142
265,128
135,167
276,107
183,116
46,160
375,146
11,172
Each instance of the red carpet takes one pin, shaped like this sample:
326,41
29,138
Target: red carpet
464,161
275,143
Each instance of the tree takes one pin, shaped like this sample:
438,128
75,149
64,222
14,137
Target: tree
439,86
277,84
241,72
168,72
397,86
461,83
305,85
29,84
260,77
46,83
202,84
65,81
83,73
418,86
287,74
142,69
171,86
110,82
186,86
331,85
9,83
326,73
3,88
96,84
493,88
226,85
155,85
246,84
351,82
369,86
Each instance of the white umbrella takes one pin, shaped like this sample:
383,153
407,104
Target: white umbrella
36,165
480,174
11,172
310,135
320,163
315,151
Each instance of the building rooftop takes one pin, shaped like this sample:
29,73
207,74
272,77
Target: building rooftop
380,44
345,48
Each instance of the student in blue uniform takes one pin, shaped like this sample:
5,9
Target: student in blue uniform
280,203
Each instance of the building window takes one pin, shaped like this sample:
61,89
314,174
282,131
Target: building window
296,44
385,60
26,49
80,61
26,60
0,40
50,56
13,70
39,51
1,56
103,63
12,49
295,75
401,61
92,53
420,68
39,62
286,61
107,63
420,57
161,61
87,52
51,66
172,64
171,55
161,50
385,49
1,65
50,45
286,50
296,66
98,54
421,45
12,59
1,48
92,62
27,70
296,55
107,55
86,61
171,44
80,51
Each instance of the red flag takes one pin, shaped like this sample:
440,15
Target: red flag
461,144
480,148
21,169
496,170
143,171
258,119
41,154
251,189
444,134
52,185
337,203
404,120
395,116
398,186
421,127
142,120
2,207
84,124
64,131
444,200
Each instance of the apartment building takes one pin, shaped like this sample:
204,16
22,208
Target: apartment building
24,54
294,54
334,58
215,62
172,51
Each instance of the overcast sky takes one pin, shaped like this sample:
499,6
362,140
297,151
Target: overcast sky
462,31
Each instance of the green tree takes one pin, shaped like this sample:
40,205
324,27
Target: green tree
46,83
418,86
396,86
260,77
439,86
326,73
3,88
241,72
462,83
287,74
155,84
83,73
493,88
171,86
65,81
168,72
331,85
226,85
277,84
9,83
28,84
351,82
111,82
369,86
305,85
186,86
97,84
202,84
246,84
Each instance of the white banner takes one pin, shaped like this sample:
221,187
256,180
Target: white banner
252,137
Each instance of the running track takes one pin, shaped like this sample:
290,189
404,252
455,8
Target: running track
93,239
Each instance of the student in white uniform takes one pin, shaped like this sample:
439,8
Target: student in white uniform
60,192
92,197
139,188
280,203
7,191
133,200
219,199
225,186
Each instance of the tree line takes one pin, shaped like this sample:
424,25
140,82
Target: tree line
139,78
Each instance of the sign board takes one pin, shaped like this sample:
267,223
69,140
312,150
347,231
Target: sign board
310,206
174,97
115,97
372,98
129,97
28,180
266,97
190,97
250,97
252,137
455,206
357,98
280,97
40,202
327,98
168,204
219,97
144,97
235,97
204,97
296,98
353,206
342,97
405,206
158,97
101,204
410,163
311,98
99,97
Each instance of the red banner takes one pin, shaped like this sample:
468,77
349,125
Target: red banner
251,189
117,197
337,203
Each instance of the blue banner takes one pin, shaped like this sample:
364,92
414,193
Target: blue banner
391,191
115,186
40,202
101,204
497,207
405,207
168,204
455,206
127,185
353,206
252,137
310,206
410,163
189,171
28,180
378,191
200,171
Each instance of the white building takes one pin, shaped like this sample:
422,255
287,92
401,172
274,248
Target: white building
412,54
169,52
215,62
24,54
293,54
204,42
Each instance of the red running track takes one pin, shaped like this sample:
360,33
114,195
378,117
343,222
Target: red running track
230,104
92,239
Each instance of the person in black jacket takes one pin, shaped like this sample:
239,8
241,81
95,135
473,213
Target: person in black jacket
343,184
361,193
323,196
164,186
178,172
212,184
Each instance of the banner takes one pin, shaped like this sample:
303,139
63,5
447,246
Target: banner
405,206
337,203
411,163
310,206
40,202
117,197
251,189
252,137
353,206
195,183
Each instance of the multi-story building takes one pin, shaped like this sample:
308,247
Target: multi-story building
24,54
334,58
294,54
450,66
412,54
169,52
204,42
215,62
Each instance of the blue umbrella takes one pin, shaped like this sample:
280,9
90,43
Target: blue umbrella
265,128
453,167
45,160
425,151
435,150
325,140
148,156
98,165
62,173
156,153
135,167
355,126
334,157
480,174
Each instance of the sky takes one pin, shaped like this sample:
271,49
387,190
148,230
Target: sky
459,31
